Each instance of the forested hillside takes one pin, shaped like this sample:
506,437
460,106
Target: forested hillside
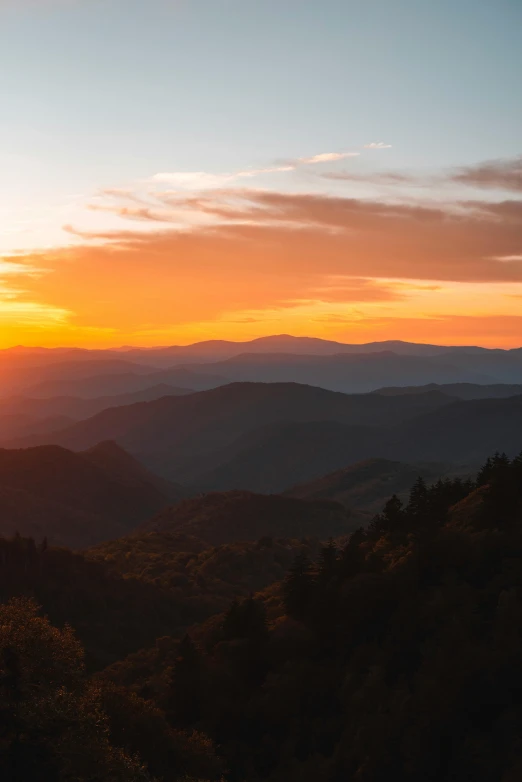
410,631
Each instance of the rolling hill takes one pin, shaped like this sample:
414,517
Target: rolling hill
457,390
111,383
77,499
269,437
367,485
460,433
350,373
182,437
226,517
22,416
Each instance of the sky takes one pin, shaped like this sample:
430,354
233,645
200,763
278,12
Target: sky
178,170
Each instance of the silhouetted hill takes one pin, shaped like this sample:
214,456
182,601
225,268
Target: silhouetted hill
457,390
77,408
360,373
109,384
238,515
76,499
185,437
465,431
16,425
212,350
25,416
367,485
123,467
17,379
274,457
282,358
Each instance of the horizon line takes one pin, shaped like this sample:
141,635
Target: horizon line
148,348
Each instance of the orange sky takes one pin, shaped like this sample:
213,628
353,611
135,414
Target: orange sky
175,171
255,262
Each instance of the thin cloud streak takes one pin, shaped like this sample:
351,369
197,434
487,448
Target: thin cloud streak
377,145
491,175
203,179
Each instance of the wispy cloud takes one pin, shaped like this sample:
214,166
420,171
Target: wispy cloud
467,241
193,180
203,180
377,145
324,157
491,175
495,174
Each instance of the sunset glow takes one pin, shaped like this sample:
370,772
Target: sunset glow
193,222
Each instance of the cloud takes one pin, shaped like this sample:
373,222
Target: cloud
344,235
203,180
194,180
377,178
16,302
249,172
248,256
377,145
142,213
495,174
324,157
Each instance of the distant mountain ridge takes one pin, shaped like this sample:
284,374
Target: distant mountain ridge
280,358
457,390
23,416
284,343
269,437
181,434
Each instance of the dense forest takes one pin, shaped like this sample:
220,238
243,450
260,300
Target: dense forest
392,654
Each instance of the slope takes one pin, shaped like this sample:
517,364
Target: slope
223,517
360,373
367,485
75,499
183,436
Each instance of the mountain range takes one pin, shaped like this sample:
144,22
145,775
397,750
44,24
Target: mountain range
268,437
205,365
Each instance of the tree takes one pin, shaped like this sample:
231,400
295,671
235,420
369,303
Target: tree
352,556
390,520
184,696
417,508
245,619
327,564
52,725
298,587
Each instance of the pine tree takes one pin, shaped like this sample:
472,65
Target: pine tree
352,556
390,520
327,564
246,619
298,587
516,467
418,503
184,695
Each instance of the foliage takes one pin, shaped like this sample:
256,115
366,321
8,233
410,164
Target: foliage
52,725
394,658
393,655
